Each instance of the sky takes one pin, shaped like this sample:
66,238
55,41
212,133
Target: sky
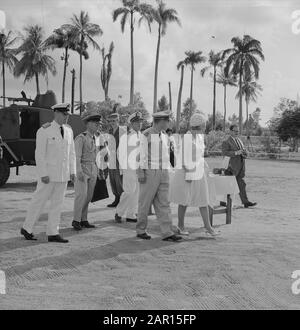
273,22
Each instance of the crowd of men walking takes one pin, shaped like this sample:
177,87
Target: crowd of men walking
136,188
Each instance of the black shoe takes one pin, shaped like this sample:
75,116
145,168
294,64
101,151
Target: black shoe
76,225
27,235
246,205
118,219
143,236
115,202
223,204
172,238
57,238
131,220
86,224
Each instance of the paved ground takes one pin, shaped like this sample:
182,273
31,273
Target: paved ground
248,267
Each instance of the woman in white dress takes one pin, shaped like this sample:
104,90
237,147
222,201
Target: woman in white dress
189,183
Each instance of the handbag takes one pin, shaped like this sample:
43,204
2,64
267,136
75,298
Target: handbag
100,191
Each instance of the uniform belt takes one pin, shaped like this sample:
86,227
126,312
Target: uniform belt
88,162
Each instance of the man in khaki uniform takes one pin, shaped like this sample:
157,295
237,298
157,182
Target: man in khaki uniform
87,170
153,177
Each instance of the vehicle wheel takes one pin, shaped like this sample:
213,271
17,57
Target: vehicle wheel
4,171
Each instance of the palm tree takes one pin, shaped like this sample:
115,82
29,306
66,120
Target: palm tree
63,38
251,90
162,16
215,61
192,59
229,80
34,61
242,59
106,69
180,66
81,29
127,12
7,56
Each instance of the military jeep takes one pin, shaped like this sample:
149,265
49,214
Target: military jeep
18,127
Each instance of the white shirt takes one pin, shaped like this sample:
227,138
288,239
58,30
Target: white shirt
55,155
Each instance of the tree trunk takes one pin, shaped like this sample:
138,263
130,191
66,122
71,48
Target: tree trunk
156,71
214,101
170,96
3,78
64,75
37,84
132,59
106,91
179,100
72,90
247,120
191,94
241,101
224,125
80,77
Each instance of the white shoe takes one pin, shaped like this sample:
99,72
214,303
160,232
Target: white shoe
212,234
180,231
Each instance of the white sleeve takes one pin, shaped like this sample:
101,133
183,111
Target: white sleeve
72,155
40,152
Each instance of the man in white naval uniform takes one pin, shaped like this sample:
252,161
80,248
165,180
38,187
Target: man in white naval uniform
56,165
128,204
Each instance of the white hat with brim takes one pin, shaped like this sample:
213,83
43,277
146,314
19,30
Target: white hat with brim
136,116
196,120
63,107
90,115
162,114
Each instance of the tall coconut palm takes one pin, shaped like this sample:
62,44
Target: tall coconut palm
241,60
192,59
34,61
180,66
83,30
130,9
106,69
225,80
214,61
250,90
163,16
7,56
63,38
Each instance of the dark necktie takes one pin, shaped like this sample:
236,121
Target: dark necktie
62,131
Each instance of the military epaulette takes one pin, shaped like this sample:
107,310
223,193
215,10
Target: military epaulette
46,125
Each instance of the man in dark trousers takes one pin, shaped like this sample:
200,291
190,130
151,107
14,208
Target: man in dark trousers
234,148
114,171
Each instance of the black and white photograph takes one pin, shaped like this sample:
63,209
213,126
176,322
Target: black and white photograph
149,158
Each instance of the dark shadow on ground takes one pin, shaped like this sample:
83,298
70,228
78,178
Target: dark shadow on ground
76,258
